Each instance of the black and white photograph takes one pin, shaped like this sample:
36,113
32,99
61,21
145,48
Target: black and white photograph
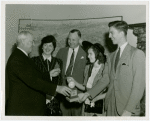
74,60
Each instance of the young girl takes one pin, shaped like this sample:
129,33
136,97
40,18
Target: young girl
93,74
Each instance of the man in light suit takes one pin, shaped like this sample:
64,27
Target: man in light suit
25,87
127,75
77,70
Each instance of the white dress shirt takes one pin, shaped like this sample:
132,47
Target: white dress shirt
50,58
122,47
69,56
93,74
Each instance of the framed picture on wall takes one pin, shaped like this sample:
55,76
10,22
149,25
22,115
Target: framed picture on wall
92,29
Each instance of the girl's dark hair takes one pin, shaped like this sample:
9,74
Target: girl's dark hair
47,39
99,50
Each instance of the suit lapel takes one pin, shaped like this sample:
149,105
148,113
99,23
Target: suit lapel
52,63
113,63
43,63
78,57
42,59
65,59
86,74
21,53
98,75
123,56
25,57
125,53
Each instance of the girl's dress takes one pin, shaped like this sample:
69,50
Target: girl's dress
92,76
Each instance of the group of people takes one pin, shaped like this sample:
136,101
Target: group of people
111,85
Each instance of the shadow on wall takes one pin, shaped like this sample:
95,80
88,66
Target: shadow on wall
67,45
13,47
108,43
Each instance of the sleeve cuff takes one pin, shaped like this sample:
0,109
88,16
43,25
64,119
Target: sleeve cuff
85,89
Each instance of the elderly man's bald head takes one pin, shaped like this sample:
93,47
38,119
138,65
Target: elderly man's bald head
25,41
23,35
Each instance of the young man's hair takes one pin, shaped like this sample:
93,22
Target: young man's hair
119,25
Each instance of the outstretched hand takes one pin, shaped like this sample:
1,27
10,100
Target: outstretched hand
55,72
70,79
126,113
83,97
63,90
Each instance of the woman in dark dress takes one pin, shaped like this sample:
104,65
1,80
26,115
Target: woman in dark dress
51,67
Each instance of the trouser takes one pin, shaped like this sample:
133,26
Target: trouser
71,109
112,108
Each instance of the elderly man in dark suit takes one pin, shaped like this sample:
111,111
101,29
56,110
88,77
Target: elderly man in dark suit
74,61
26,88
126,73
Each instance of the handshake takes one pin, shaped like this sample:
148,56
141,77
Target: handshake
82,97
71,93
66,91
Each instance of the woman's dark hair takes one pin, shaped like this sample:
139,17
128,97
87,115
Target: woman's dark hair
47,39
99,50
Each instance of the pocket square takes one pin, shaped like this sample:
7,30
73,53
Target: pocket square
125,64
82,57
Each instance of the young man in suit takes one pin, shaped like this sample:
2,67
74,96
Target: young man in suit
127,75
25,88
74,61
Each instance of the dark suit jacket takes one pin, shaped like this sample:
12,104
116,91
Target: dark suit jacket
26,88
42,65
79,65
55,63
127,84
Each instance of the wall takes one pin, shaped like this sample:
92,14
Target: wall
131,14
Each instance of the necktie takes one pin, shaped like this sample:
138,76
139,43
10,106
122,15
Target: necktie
47,64
117,58
69,69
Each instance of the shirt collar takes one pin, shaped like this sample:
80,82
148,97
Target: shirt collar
75,49
123,46
50,57
23,51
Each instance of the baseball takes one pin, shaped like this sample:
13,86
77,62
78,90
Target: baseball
71,84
